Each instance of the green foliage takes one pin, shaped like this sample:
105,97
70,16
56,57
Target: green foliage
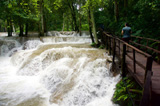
101,47
142,23
93,44
137,33
121,95
28,11
85,27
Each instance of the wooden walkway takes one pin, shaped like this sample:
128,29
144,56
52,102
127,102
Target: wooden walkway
140,65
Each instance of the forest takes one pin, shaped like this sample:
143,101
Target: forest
23,16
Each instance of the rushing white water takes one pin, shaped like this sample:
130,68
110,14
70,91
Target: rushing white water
54,71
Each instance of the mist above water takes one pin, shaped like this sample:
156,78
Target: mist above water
58,70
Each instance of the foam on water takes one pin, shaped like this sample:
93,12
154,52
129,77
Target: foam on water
46,73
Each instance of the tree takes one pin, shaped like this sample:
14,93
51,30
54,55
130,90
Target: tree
116,10
90,6
5,11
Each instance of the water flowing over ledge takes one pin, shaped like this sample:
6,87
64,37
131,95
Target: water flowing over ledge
59,70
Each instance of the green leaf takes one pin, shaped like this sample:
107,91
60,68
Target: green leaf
9,5
25,4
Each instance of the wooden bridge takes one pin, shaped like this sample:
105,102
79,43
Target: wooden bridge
144,67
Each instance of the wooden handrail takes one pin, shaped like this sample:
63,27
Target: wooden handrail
154,40
157,51
147,47
135,50
148,65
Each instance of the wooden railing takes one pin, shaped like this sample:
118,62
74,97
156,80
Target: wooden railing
117,47
150,46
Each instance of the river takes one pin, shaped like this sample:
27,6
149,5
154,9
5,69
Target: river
61,70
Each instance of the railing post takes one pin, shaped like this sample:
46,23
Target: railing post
123,69
134,61
148,65
145,101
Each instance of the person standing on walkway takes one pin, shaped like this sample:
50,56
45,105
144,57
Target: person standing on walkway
126,32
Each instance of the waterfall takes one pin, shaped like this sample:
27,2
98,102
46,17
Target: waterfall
60,70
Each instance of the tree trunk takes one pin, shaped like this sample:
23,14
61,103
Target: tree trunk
26,31
13,28
72,25
41,18
90,26
63,22
5,28
56,24
44,21
0,28
71,6
94,27
80,33
21,29
74,18
9,27
67,22
116,10
9,23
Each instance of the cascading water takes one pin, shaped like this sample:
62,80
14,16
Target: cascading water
54,71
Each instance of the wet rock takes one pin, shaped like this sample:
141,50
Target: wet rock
109,60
